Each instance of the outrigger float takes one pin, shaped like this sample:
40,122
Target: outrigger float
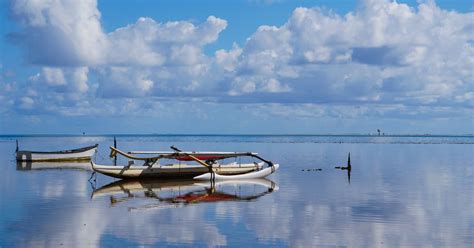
208,167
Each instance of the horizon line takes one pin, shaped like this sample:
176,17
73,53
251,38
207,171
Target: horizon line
237,134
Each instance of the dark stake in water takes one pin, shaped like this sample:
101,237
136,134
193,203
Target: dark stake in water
347,168
396,191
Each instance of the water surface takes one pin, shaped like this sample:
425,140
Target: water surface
402,191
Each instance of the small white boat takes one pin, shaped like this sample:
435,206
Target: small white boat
207,168
80,154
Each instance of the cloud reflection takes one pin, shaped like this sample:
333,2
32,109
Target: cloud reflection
400,195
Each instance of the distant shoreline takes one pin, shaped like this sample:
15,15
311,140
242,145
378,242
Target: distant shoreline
244,135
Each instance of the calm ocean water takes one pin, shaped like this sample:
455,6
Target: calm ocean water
412,191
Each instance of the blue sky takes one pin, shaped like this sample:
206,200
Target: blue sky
272,67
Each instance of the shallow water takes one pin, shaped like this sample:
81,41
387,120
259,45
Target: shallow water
403,191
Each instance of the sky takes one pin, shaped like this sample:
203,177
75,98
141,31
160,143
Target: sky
236,67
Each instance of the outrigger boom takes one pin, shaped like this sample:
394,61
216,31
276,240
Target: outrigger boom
196,153
184,156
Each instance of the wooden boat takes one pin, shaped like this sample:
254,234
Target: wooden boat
207,166
171,170
179,193
80,154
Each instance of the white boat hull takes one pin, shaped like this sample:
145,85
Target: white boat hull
82,154
171,171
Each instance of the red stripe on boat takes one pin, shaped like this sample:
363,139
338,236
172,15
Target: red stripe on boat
200,157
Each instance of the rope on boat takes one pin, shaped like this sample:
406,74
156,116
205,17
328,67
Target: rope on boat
150,162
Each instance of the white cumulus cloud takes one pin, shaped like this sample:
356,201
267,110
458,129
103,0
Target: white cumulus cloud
383,52
59,33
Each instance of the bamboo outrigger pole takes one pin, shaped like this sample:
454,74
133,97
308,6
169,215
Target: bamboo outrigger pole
149,161
194,158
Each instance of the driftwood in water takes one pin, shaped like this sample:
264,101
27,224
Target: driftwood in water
314,169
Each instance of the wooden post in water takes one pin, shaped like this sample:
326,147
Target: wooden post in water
349,167
16,150
115,146
349,161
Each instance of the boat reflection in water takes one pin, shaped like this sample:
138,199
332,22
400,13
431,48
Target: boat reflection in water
29,165
180,193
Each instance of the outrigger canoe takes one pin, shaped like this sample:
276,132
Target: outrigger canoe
207,168
80,154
